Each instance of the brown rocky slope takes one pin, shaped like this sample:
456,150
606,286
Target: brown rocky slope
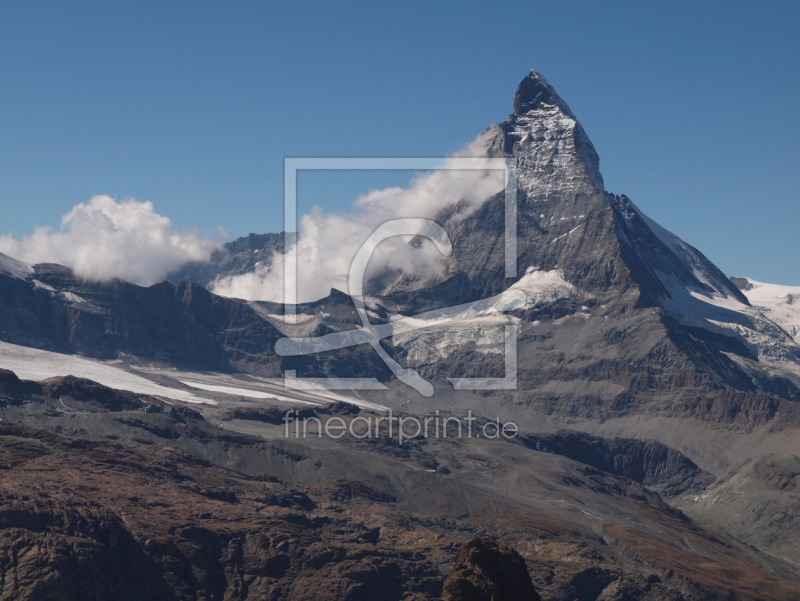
105,498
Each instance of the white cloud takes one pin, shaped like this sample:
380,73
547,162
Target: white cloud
104,239
328,242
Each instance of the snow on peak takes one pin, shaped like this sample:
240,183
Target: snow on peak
554,155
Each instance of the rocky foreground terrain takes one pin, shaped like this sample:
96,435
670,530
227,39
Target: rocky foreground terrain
109,495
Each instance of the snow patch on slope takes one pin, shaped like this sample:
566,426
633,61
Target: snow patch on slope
245,392
779,303
35,364
543,286
440,336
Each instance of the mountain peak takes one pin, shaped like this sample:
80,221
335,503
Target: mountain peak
535,92
553,152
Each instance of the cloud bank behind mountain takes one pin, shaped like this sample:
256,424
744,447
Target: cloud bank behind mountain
104,239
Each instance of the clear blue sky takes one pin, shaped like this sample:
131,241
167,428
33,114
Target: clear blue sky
694,107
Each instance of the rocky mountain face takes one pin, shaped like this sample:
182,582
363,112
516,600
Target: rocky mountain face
638,306
240,256
184,325
656,402
181,325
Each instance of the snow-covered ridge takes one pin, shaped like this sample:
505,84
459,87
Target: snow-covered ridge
779,303
698,295
14,268
681,268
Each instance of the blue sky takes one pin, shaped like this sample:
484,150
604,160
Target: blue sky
693,107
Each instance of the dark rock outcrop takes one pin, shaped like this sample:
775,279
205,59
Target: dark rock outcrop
485,570
13,390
